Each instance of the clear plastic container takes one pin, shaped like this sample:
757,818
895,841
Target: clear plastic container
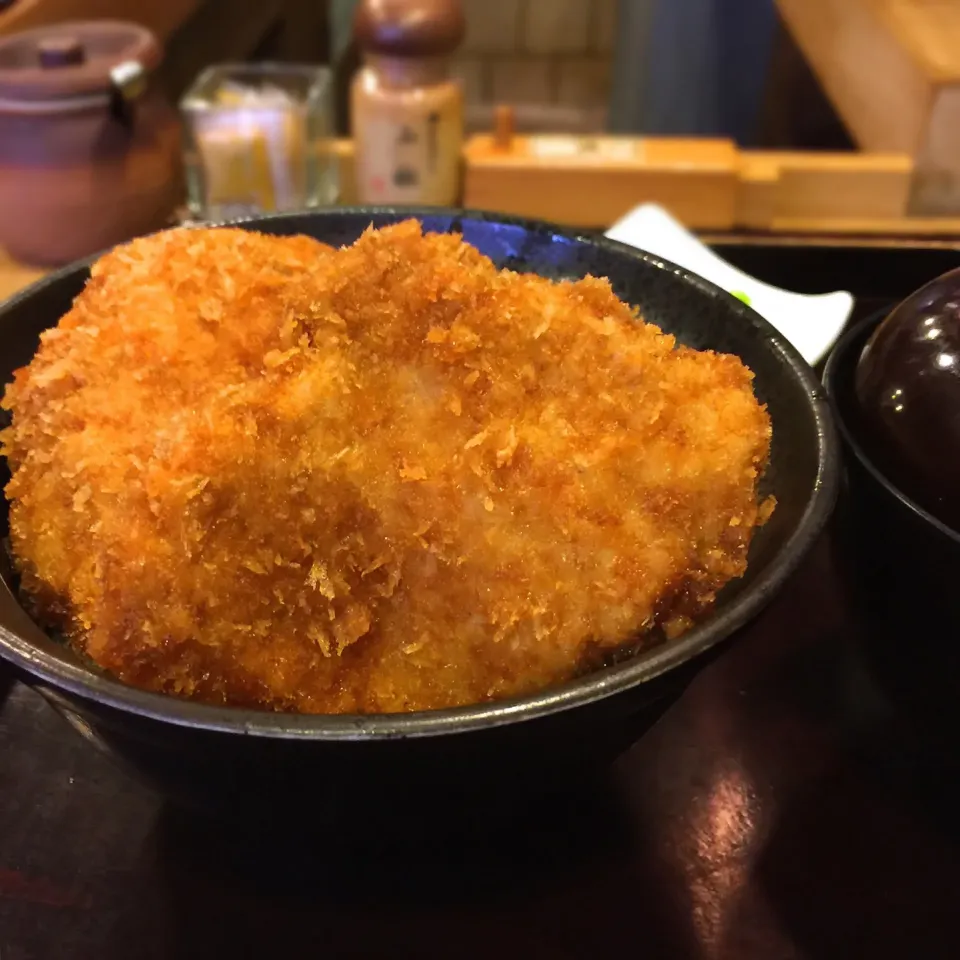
258,138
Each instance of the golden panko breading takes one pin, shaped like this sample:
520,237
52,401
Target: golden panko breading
256,471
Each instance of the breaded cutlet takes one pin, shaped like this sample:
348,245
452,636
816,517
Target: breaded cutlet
257,471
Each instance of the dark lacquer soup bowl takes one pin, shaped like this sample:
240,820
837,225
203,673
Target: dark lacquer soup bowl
902,564
248,761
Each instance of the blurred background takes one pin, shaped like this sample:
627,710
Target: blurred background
825,117
700,67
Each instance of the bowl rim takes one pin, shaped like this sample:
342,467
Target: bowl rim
641,668
831,377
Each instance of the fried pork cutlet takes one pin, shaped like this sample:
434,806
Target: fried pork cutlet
255,471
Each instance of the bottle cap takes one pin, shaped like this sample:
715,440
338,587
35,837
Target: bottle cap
409,28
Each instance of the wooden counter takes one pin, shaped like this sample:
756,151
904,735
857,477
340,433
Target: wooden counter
710,185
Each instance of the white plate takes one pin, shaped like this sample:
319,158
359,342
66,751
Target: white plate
810,322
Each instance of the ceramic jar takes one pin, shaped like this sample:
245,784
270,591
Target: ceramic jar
89,149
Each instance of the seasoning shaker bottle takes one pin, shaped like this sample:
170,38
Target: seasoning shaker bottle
406,111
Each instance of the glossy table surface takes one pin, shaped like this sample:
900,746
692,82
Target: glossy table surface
777,811
782,809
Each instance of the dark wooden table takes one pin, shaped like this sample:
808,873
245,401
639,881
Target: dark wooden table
782,809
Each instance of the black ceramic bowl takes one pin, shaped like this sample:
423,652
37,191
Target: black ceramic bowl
902,563
251,761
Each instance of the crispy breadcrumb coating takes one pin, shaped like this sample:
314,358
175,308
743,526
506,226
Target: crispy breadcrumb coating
257,471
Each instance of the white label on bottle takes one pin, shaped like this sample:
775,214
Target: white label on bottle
391,170
413,160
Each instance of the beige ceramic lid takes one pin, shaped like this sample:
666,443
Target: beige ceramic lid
71,59
409,28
